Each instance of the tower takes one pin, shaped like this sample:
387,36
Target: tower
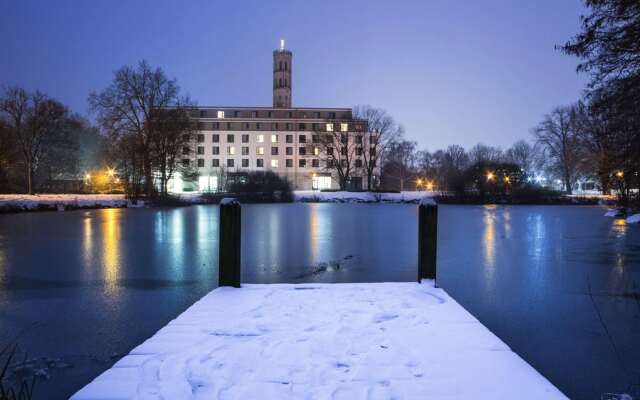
282,77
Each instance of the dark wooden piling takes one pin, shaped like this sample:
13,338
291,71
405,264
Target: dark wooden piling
229,255
427,239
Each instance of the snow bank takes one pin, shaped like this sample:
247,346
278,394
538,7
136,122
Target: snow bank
634,219
323,341
20,202
359,197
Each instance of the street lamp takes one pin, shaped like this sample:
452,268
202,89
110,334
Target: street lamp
490,176
620,174
430,187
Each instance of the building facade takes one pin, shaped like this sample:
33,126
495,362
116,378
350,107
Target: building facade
311,147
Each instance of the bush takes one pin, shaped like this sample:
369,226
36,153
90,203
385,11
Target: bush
260,187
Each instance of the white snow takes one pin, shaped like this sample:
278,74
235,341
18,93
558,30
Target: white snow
360,197
60,201
323,341
634,219
228,201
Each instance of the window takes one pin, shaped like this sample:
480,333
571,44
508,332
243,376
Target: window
246,126
185,150
329,127
289,126
220,114
215,150
228,126
245,150
289,138
236,114
289,163
216,125
343,151
332,115
274,163
260,139
200,162
274,138
230,162
200,138
245,138
260,150
330,151
316,151
317,114
200,149
321,182
215,138
343,163
254,114
359,139
270,114
215,163
302,151
302,139
344,127
230,138
289,151
315,163
344,138
358,163
201,126
302,126
290,114
185,162
245,163
258,126
358,151
302,163
203,113
231,150
315,138
274,151
260,163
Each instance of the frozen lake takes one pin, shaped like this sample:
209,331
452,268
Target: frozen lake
560,285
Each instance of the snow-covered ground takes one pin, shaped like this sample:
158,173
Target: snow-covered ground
359,197
60,201
634,219
323,341
614,213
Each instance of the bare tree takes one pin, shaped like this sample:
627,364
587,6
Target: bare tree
400,162
125,108
482,153
381,132
174,132
33,118
559,141
341,148
522,154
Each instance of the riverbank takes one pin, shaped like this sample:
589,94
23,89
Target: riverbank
311,196
342,341
62,202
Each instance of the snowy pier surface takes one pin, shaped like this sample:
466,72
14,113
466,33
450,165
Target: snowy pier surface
323,341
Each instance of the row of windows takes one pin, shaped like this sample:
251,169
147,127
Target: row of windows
315,163
231,150
221,114
275,126
344,138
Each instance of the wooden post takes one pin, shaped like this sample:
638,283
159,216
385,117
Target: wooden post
229,238
427,238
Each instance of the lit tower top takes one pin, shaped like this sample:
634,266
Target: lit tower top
282,77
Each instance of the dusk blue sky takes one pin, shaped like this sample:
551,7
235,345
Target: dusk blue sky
450,72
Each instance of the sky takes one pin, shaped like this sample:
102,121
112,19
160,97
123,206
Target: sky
450,72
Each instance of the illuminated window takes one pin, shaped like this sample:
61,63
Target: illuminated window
260,150
316,151
329,127
274,138
231,150
274,163
260,139
344,127
220,114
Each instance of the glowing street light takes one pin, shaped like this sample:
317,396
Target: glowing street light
430,186
490,176
619,174
87,177
507,180
111,172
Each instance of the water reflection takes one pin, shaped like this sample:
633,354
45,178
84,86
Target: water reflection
111,247
489,238
87,241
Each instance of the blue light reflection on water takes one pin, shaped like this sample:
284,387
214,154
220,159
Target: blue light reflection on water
96,283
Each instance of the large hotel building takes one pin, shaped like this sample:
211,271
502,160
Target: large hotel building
290,141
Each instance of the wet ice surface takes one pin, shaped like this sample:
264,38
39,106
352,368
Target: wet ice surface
319,341
80,289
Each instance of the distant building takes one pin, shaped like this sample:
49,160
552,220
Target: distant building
286,140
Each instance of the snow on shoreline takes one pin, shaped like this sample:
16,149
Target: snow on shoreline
634,219
23,202
359,197
323,341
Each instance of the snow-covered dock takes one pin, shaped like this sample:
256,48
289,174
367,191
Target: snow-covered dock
323,341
